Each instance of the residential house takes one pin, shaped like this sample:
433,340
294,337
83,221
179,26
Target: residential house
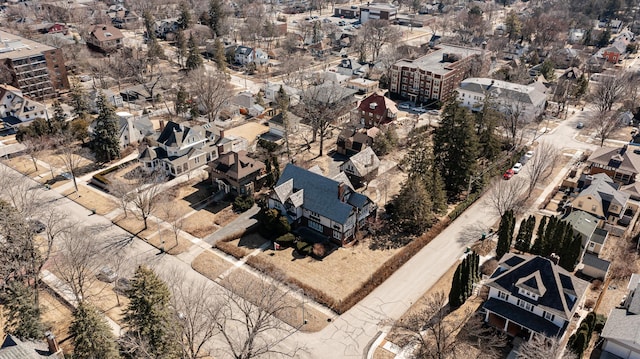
36,69
180,148
351,141
245,55
622,164
506,97
362,167
593,266
278,127
586,226
133,129
349,67
376,110
14,348
621,332
104,38
271,92
363,86
531,294
615,26
381,11
435,76
15,108
601,197
121,16
164,27
564,58
332,94
328,206
56,28
576,36
615,52
115,99
236,172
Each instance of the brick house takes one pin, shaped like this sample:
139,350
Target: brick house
376,110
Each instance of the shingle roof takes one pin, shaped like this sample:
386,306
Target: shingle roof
14,348
321,194
605,191
237,165
562,289
623,324
524,317
619,158
582,222
104,32
503,89
365,161
593,261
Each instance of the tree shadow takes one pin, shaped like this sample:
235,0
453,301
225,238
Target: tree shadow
473,232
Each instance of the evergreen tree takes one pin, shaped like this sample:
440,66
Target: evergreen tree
269,179
579,344
21,312
194,59
537,245
464,278
181,48
573,250
149,317
184,20
522,243
105,141
219,55
486,123
91,334
547,238
79,101
505,234
455,148
421,165
276,169
412,209
455,294
216,17
547,70
57,123
181,104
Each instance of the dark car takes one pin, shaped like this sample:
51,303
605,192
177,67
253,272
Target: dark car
36,226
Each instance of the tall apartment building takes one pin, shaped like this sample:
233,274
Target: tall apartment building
436,75
36,69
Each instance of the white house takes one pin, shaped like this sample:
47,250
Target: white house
245,55
15,108
507,97
133,129
622,330
530,294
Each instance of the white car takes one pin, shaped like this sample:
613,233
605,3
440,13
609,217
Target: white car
528,155
404,106
517,167
419,110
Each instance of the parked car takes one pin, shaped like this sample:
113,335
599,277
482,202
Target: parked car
122,285
419,110
404,106
580,125
326,21
434,112
507,175
107,274
517,167
528,155
342,23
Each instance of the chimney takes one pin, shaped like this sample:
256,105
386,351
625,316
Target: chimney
161,122
623,149
554,258
52,343
341,192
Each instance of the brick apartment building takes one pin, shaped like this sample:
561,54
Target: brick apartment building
36,69
436,75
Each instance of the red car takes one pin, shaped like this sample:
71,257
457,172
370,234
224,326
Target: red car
507,175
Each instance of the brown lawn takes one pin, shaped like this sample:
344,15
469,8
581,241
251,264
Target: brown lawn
24,165
105,299
91,199
296,311
57,316
185,198
200,224
135,226
242,246
338,274
170,245
225,216
250,130
210,265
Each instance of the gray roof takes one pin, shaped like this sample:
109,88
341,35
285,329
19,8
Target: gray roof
364,161
599,236
433,61
621,159
623,324
504,90
243,50
321,193
606,191
562,291
593,261
14,348
582,222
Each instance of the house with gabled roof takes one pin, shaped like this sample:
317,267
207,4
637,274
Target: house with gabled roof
180,148
621,332
14,348
531,294
105,38
601,197
133,129
15,108
362,167
586,226
329,206
376,110
351,140
622,164
236,172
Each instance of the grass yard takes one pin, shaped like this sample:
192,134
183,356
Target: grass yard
210,265
225,216
200,224
337,275
295,310
250,131
170,245
91,199
242,246
135,226
185,198
24,165
57,316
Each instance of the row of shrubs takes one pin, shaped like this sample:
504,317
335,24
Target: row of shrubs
579,341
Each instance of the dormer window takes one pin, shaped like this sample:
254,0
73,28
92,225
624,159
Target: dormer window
527,294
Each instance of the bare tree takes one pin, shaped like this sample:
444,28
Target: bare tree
212,91
122,189
147,195
610,90
541,165
33,147
377,32
73,156
144,70
197,307
174,217
19,192
605,124
248,319
78,260
507,195
541,347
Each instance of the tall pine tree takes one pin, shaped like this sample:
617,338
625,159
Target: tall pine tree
537,245
522,242
455,148
105,141
21,312
505,234
219,55
194,59
92,336
58,122
149,317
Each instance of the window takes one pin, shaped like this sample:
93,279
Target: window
315,225
337,235
549,316
504,296
525,305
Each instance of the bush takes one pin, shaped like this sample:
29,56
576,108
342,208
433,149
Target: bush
286,240
589,303
243,203
488,267
596,284
304,248
273,225
600,320
319,250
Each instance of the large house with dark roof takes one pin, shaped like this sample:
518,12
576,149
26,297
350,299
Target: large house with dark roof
104,38
530,294
621,332
180,148
327,205
236,172
601,197
621,164
376,110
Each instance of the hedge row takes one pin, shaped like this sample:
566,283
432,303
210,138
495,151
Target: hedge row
462,206
231,249
100,179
